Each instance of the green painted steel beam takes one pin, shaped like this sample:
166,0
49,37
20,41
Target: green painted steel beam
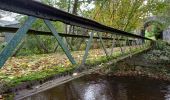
128,42
88,48
113,44
102,43
120,45
20,34
130,49
60,41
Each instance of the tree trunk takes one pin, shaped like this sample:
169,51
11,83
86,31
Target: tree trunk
71,28
41,44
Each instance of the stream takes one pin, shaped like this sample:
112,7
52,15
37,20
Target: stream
97,87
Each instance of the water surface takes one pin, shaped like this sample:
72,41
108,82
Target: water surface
96,87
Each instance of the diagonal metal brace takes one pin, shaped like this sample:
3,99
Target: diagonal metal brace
20,34
87,48
60,41
121,49
113,44
103,46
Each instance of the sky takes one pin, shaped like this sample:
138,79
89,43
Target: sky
12,16
8,16
87,6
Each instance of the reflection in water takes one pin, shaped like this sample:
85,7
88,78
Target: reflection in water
95,87
167,93
95,92
90,92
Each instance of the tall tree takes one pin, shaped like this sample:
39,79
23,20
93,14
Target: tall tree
125,15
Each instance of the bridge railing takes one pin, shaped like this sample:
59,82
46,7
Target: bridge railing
35,10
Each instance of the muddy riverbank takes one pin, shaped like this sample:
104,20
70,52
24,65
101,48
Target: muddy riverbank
154,63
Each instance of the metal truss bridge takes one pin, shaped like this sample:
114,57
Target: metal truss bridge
36,10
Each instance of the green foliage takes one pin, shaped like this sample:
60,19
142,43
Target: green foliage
125,14
160,53
9,97
161,45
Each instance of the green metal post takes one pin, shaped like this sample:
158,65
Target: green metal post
61,43
129,46
20,34
101,42
120,46
141,44
133,45
113,44
136,45
87,48
124,46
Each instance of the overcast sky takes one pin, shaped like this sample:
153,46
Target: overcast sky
12,16
9,18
